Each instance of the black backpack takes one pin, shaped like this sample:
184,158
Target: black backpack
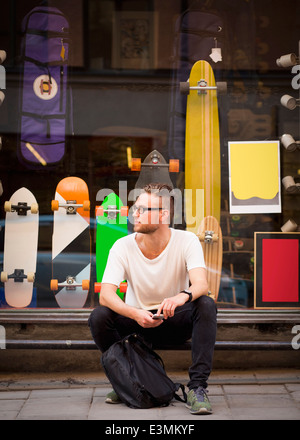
137,374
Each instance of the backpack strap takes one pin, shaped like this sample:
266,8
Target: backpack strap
176,396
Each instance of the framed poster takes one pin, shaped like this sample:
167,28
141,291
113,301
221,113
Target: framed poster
277,270
134,35
254,177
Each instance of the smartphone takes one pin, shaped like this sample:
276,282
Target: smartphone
158,316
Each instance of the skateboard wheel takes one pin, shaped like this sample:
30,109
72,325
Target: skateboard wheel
54,205
30,277
202,236
124,211
123,287
2,56
54,284
174,166
184,88
85,284
215,237
99,211
7,206
136,164
86,205
34,209
2,97
97,287
221,87
4,277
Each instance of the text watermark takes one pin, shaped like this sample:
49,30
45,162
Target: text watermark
2,338
187,213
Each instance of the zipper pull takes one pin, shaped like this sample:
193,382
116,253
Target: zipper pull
63,50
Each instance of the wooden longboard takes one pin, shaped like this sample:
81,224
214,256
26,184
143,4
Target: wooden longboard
71,243
210,236
20,248
202,150
111,219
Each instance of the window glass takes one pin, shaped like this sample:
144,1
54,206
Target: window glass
90,86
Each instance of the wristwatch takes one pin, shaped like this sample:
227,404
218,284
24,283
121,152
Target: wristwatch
189,293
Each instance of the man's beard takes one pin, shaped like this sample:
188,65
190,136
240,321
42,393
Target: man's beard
145,228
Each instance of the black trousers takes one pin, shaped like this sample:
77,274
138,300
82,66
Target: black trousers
196,320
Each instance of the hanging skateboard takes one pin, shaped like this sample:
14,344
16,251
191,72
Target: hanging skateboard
154,169
20,248
71,243
202,154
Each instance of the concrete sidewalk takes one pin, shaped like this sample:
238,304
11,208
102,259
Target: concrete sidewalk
234,395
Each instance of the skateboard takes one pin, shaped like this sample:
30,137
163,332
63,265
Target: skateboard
202,151
111,219
71,243
154,169
210,236
20,248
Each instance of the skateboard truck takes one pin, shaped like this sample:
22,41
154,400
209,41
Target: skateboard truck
71,206
21,208
18,275
202,87
156,160
70,284
122,287
208,236
112,211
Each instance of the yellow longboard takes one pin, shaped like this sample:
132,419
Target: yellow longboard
202,147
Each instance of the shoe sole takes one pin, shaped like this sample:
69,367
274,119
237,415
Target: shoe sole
113,402
199,411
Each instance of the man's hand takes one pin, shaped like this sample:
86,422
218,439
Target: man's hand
168,306
144,319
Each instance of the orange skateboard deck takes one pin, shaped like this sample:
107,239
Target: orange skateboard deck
202,149
210,236
71,243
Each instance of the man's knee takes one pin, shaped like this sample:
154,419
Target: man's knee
99,315
206,306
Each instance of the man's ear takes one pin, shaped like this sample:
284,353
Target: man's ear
165,216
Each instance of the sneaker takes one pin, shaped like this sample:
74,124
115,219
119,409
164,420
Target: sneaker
112,397
197,401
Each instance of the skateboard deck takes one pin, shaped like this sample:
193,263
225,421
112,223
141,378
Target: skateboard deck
71,243
111,219
210,236
202,151
154,169
20,248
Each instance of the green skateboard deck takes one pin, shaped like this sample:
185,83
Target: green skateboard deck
111,219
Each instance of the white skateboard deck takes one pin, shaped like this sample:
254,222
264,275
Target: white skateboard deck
20,250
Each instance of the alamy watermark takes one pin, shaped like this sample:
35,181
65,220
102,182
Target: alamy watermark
183,213
296,78
2,78
296,338
2,337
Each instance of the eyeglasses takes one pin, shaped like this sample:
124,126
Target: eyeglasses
142,209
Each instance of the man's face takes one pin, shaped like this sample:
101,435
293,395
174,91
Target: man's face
146,221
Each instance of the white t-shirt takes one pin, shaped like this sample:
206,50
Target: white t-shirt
150,281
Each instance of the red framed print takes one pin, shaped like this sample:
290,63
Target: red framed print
277,270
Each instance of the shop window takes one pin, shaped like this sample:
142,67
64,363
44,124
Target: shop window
125,60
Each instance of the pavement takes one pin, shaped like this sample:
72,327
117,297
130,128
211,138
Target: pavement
272,394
